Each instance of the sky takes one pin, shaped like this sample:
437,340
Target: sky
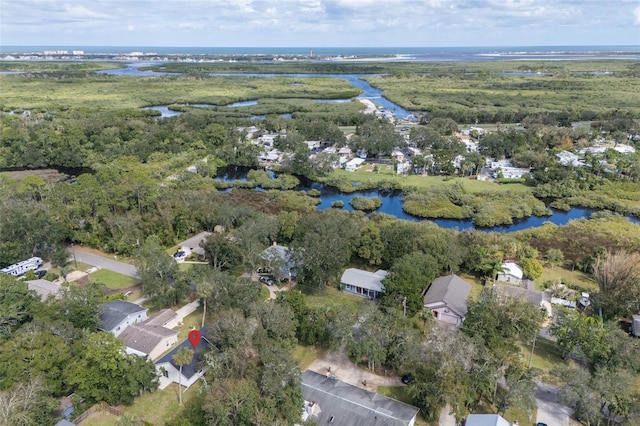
319,23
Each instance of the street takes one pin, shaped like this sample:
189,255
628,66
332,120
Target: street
549,410
102,262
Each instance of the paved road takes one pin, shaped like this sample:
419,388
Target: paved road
103,262
549,410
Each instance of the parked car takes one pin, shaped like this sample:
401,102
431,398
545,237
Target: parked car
41,273
266,280
541,424
407,378
180,256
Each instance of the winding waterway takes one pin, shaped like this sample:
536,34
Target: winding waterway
392,205
368,91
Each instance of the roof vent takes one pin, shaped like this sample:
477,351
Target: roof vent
331,419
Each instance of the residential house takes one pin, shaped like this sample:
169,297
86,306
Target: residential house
328,400
511,273
44,288
567,158
151,338
363,283
486,420
169,371
447,299
117,315
532,296
277,256
65,422
193,246
353,164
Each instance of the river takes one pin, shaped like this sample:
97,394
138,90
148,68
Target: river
392,205
368,91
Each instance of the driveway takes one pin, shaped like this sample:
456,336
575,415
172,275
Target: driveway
549,410
341,366
85,256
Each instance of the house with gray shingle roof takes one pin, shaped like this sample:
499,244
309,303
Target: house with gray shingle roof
486,420
150,340
363,283
169,371
44,288
447,299
331,401
116,315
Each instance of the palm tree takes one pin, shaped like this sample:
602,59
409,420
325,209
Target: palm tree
425,315
184,356
204,288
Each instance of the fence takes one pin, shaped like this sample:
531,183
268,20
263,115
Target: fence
103,406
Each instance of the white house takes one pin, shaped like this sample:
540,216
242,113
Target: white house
511,273
117,315
353,164
447,299
567,158
169,371
363,283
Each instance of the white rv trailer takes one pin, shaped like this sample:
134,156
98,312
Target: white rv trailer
20,268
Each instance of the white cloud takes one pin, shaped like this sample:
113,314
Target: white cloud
318,22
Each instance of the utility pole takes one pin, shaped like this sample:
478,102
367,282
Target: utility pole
75,262
533,347
404,306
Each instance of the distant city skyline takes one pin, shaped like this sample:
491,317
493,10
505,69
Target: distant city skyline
317,23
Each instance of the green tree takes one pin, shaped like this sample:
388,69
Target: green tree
80,305
531,268
160,275
222,253
102,371
371,245
327,243
16,301
408,277
183,357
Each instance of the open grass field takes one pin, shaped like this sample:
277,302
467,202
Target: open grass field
112,280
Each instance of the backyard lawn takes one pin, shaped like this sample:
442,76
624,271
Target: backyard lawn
112,280
574,279
335,300
305,355
161,405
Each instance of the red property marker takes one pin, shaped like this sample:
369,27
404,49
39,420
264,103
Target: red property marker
194,337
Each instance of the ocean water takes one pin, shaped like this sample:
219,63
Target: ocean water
398,53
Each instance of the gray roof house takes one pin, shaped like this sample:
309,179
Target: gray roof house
328,400
169,371
447,299
193,243
279,256
44,288
116,315
149,340
363,283
486,420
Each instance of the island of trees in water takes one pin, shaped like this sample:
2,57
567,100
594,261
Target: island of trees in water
138,200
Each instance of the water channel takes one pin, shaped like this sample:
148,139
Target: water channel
368,91
392,205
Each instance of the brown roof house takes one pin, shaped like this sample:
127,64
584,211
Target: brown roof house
447,299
